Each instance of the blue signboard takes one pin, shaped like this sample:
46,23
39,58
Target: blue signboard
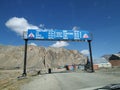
63,35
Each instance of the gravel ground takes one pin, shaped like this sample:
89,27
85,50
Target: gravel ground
72,81
58,81
9,80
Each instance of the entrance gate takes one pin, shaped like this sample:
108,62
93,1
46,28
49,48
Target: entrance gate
57,35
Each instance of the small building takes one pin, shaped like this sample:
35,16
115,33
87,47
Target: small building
114,59
115,63
101,63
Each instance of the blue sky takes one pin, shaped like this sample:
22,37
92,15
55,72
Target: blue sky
100,17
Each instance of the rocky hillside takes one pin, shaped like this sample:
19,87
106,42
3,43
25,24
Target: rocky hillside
38,57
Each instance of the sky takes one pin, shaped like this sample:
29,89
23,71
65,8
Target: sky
100,17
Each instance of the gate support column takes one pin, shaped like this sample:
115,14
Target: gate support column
91,60
25,58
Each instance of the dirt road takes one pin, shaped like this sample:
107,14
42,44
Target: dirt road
71,81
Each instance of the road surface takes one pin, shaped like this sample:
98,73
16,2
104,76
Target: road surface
70,81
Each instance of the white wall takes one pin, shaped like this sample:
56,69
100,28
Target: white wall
106,65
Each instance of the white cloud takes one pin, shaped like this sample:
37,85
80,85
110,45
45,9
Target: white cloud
60,44
33,44
42,26
76,28
19,25
85,52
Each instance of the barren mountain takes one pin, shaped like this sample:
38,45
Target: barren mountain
12,57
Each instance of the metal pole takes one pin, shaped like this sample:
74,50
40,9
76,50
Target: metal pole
25,58
91,60
44,61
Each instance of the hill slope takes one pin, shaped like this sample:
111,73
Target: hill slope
13,57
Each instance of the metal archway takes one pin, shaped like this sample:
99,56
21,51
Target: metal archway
57,35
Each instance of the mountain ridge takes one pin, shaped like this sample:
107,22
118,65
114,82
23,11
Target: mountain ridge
39,57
